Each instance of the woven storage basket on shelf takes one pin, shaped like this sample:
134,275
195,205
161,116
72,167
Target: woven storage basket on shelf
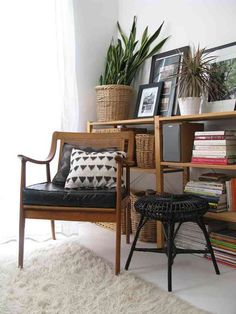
145,150
149,230
113,102
120,129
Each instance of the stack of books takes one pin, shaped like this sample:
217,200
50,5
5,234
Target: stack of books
190,236
224,246
211,187
214,147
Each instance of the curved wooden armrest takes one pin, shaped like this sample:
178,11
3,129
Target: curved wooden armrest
49,157
35,161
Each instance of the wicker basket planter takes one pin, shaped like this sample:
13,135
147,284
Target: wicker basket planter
149,231
113,102
145,150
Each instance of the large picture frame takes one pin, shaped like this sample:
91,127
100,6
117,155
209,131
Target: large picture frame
148,100
224,66
165,67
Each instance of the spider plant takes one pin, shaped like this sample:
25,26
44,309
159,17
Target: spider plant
124,58
195,73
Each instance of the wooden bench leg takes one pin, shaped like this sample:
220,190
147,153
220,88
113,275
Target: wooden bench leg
21,242
53,229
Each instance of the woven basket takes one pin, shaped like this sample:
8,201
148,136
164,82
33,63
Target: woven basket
120,129
149,230
145,150
113,102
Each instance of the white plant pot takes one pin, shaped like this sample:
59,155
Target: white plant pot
189,105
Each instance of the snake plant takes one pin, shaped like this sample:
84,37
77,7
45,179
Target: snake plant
124,57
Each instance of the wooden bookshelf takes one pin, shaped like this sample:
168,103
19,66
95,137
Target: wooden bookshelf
163,167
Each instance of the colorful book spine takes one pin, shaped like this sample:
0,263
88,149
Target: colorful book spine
210,153
233,194
213,161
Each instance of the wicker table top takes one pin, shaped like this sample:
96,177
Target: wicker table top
178,208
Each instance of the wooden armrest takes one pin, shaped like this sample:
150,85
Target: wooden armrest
35,161
49,157
124,161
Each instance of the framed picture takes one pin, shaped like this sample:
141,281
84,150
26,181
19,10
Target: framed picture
164,68
224,66
148,100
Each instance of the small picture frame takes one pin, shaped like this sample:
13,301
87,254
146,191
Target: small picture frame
165,67
148,100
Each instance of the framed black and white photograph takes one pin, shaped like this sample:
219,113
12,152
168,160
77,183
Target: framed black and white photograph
148,100
165,68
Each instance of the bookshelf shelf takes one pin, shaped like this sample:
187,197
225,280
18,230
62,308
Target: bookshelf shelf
224,216
192,165
153,170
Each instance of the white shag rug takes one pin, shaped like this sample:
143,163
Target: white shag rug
70,279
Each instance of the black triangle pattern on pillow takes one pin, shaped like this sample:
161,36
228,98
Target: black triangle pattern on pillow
82,179
92,169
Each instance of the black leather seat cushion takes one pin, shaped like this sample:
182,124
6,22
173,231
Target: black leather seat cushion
54,195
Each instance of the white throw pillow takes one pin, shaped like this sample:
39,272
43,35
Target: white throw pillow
92,169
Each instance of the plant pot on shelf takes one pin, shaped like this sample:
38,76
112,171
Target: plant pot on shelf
189,105
113,102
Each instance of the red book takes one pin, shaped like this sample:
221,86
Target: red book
233,194
213,161
215,137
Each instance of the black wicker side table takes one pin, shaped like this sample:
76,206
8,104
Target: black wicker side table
171,210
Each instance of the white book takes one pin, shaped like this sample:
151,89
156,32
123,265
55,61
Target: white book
222,148
206,183
214,142
213,153
223,132
204,191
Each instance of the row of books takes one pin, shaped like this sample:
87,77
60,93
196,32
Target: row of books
214,147
190,236
211,187
224,246
223,241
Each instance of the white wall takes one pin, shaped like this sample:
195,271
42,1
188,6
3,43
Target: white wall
209,23
95,24
206,22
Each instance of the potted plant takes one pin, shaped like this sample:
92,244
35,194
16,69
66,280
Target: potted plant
123,60
194,80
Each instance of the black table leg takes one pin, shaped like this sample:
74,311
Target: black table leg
142,222
208,242
170,245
